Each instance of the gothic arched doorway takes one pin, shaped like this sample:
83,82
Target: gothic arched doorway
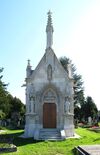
49,115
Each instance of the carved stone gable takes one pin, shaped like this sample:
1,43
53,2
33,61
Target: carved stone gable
49,96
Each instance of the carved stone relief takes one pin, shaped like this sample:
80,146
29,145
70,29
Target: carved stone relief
67,105
49,96
49,72
32,99
32,104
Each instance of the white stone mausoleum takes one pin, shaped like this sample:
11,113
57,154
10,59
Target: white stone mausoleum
49,96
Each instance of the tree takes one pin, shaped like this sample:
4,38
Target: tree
4,105
82,108
17,111
78,87
89,108
2,115
10,106
3,86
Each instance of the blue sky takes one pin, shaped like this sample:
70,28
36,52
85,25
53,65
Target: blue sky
76,35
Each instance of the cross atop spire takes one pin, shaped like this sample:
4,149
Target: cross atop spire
49,30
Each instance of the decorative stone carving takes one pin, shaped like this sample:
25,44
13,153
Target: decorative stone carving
32,104
49,96
32,90
67,105
32,99
49,72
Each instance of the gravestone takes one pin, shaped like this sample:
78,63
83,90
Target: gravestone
89,120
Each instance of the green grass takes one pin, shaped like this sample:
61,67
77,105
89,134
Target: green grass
31,147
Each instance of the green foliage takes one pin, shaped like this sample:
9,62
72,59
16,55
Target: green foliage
89,108
9,104
82,109
2,115
78,86
78,83
16,113
16,105
64,61
3,95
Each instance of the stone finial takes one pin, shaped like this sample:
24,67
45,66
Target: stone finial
49,22
28,69
28,62
49,31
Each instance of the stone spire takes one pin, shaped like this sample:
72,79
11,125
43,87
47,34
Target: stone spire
49,31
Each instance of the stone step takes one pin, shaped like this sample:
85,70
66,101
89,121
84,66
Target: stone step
89,149
50,134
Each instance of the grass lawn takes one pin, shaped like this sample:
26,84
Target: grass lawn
31,147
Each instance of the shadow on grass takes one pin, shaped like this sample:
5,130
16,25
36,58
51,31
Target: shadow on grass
16,140
97,139
94,130
24,141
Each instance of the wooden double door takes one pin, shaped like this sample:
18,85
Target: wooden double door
49,115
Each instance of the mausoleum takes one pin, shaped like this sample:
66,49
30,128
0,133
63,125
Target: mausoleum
49,96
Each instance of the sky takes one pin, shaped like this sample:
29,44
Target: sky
76,35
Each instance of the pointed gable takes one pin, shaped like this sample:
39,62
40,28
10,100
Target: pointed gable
49,63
